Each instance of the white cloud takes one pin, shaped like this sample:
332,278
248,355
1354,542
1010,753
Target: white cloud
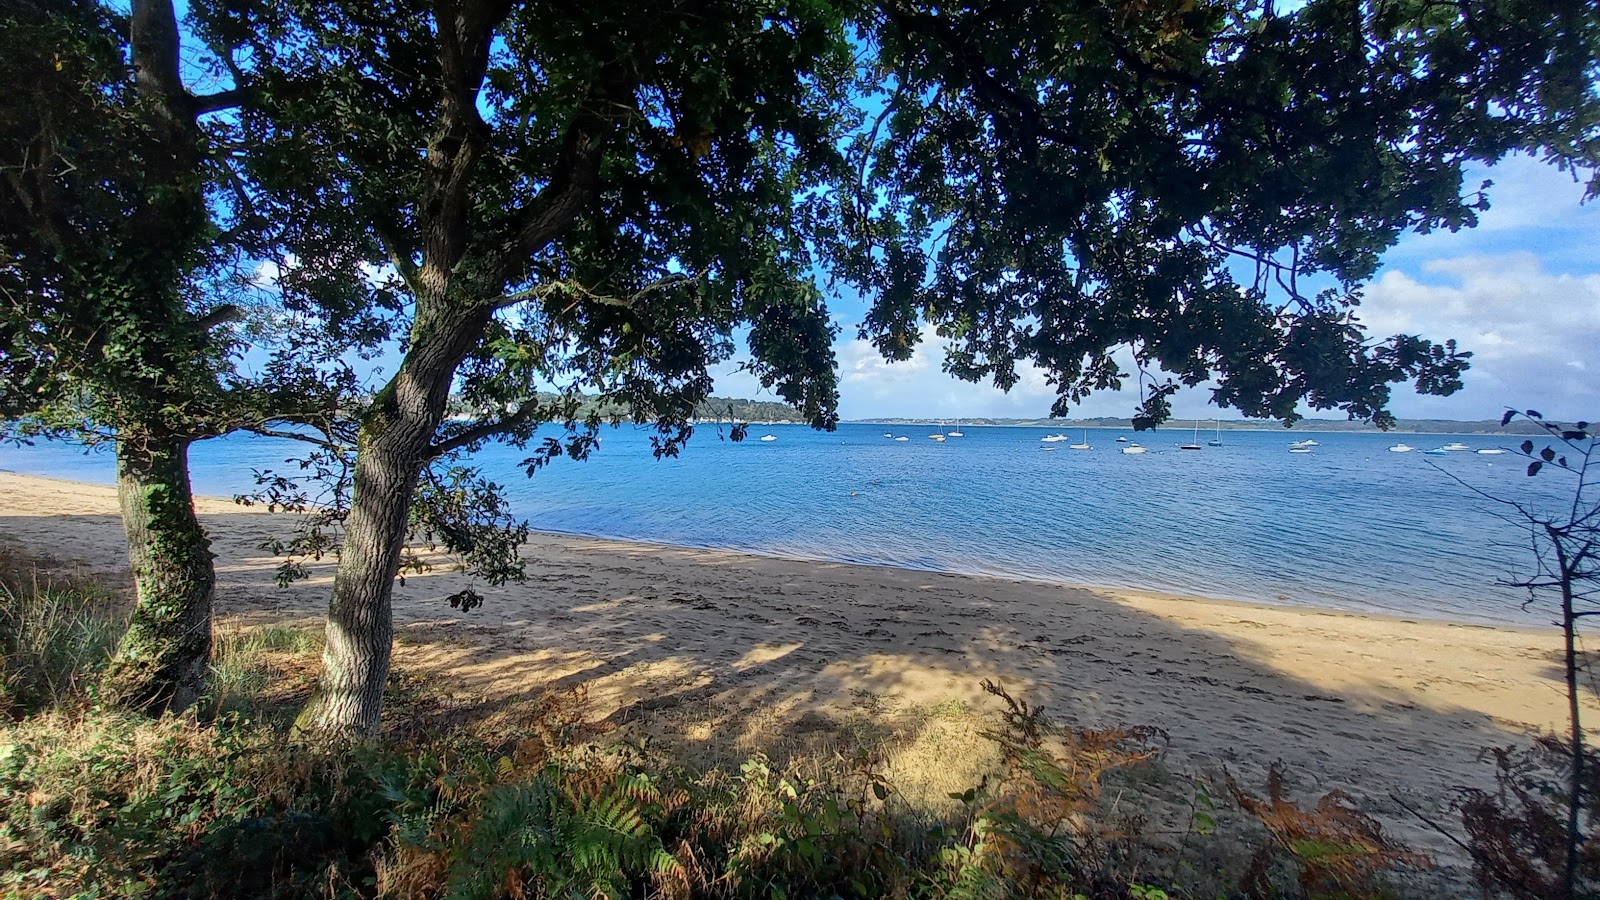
1521,291
1533,333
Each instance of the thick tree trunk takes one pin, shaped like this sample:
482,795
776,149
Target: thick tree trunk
162,661
395,443
360,630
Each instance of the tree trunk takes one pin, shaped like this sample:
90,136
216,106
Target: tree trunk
1569,630
395,443
162,661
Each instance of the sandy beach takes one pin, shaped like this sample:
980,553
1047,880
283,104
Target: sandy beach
738,648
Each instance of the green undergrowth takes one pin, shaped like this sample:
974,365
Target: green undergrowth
227,802
57,634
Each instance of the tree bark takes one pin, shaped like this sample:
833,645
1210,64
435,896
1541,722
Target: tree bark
394,444
162,660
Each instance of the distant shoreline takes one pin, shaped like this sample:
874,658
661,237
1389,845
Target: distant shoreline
1318,426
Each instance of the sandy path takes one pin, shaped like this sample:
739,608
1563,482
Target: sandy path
1367,702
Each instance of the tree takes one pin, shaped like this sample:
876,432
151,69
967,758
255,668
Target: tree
586,198
596,197
1543,825
1051,181
117,322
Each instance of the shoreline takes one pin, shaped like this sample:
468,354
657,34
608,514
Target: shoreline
1144,594
1357,608
710,649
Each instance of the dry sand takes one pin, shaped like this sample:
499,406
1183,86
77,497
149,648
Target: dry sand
731,642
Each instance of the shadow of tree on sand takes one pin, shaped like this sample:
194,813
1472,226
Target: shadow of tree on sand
727,653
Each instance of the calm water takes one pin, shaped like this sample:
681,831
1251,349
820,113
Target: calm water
1349,525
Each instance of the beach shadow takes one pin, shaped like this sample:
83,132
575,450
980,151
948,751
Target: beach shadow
734,653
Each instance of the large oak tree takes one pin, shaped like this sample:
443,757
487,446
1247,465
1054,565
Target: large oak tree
595,197
120,227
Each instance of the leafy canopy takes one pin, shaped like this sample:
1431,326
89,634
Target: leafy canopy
690,146
1050,181
122,236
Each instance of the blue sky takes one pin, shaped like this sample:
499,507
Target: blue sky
1521,291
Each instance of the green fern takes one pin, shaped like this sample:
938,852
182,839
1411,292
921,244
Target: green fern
536,833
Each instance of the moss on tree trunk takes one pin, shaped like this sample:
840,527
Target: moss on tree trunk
161,664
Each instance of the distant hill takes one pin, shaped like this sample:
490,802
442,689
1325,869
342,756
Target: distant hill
714,409
1406,426
735,409
725,409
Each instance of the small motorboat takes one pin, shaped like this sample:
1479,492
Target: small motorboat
1295,448
888,434
1455,446
1492,451
902,438
1303,445
768,438
1401,448
1134,450
1049,449
1054,438
1121,440
1437,451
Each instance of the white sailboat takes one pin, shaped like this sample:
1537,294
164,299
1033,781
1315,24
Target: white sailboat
1194,443
957,431
1216,441
1084,445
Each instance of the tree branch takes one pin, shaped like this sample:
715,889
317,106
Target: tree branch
231,98
402,261
577,175
484,431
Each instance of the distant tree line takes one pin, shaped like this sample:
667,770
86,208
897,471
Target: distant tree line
732,410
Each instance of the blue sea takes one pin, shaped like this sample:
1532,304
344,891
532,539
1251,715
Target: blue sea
1347,526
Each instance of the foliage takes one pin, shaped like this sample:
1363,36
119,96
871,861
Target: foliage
1517,835
455,509
55,637
1333,849
1034,832
119,257
1047,182
598,199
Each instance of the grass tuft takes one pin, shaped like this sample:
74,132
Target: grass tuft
56,636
